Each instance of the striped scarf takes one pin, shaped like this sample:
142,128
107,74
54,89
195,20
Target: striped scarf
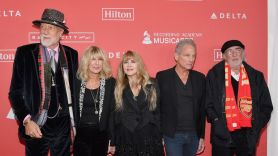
238,113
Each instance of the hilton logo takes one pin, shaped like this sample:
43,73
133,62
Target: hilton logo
120,14
217,55
7,55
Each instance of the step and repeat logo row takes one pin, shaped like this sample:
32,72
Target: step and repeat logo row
72,37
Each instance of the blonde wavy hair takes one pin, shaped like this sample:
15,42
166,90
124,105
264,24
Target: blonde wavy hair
89,53
143,79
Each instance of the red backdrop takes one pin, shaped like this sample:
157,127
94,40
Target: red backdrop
149,27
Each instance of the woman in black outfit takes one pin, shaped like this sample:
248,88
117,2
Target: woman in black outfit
136,121
94,103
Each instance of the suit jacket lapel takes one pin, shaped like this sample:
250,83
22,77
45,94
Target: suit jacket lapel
35,55
173,86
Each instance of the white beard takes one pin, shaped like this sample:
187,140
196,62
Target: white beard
50,41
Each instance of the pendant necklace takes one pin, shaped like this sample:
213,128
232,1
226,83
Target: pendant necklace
95,100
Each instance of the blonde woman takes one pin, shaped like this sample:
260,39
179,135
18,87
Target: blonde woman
136,130
95,101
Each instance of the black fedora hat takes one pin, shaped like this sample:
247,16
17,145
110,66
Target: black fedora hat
53,17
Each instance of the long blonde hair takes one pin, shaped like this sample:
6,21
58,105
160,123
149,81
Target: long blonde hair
89,53
143,79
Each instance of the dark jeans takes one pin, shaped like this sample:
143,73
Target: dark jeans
56,138
239,146
183,144
90,141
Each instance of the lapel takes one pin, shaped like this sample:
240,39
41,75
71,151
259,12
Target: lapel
173,86
35,54
221,84
195,88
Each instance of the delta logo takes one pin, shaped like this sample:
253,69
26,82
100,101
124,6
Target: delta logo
72,37
118,14
7,55
10,13
228,16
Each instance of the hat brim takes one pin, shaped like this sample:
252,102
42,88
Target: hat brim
38,23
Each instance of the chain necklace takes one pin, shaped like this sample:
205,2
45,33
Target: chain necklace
95,99
101,96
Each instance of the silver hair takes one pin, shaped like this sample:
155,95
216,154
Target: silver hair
183,43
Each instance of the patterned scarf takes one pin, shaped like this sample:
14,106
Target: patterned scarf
238,113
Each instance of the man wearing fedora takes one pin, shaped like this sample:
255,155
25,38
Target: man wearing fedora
238,103
41,91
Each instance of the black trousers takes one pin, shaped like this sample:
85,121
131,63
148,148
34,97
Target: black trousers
89,141
239,146
56,138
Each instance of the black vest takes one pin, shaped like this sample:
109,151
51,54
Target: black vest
58,95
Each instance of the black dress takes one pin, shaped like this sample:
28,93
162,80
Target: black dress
136,128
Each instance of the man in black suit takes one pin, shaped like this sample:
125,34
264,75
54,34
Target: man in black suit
182,92
41,91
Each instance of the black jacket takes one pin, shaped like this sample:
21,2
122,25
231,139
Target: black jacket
25,89
215,103
132,117
108,104
168,101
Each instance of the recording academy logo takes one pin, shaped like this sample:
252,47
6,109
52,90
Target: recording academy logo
118,14
168,37
72,37
10,13
217,55
7,55
228,16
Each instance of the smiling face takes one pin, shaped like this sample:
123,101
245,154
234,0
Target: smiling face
95,65
186,57
130,67
234,56
50,35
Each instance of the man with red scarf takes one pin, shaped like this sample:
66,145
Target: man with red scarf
41,91
238,103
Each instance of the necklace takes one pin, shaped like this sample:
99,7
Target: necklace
95,100
101,96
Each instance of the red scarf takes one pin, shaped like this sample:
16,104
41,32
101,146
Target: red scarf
238,113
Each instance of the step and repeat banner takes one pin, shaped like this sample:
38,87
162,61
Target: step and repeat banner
150,27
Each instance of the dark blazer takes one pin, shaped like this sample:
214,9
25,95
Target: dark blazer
25,89
168,101
108,103
132,117
215,104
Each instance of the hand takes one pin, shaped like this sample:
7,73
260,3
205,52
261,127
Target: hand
201,146
32,129
111,150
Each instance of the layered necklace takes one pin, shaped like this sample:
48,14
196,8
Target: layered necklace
95,99
101,91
